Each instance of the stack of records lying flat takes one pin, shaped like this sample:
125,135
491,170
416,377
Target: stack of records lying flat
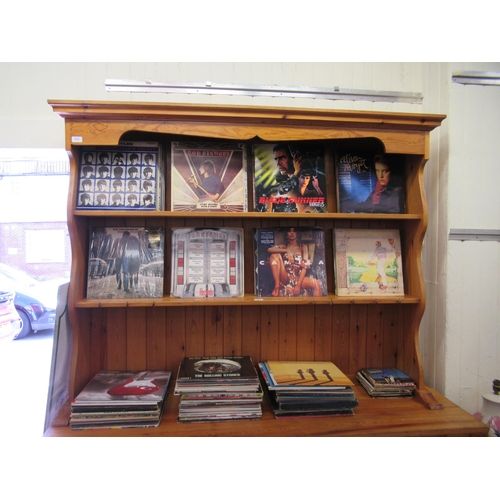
121,399
218,389
386,382
307,388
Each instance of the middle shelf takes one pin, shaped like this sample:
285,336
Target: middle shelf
246,300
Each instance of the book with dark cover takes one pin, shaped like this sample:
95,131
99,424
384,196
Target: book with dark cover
124,177
290,262
370,183
209,177
289,177
207,262
125,262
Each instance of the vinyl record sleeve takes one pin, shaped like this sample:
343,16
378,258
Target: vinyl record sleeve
370,183
207,262
290,262
387,377
124,177
300,374
211,368
124,388
289,177
217,374
368,262
126,262
208,177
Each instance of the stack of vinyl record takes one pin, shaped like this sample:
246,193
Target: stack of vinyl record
386,382
307,388
218,389
121,399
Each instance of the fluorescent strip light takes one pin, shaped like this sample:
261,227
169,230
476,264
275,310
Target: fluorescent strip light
477,78
210,88
474,234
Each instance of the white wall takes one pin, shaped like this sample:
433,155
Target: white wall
460,331
459,334
473,270
436,77
26,120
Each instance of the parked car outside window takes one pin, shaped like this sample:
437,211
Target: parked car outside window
10,322
35,301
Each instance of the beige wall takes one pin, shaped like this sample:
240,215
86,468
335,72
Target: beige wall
459,334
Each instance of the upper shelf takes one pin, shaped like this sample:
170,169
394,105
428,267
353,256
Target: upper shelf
103,123
242,215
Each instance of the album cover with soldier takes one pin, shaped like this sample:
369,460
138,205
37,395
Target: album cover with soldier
208,177
124,177
289,177
126,262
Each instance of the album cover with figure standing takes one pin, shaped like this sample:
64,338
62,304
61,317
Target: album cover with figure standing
368,262
126,262
208,177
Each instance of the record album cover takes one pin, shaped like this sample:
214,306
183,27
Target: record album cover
125,262
124,388
370,183
209,177
290,262
302,374
368,262
207,262
124,177
213,368
387,377
289,177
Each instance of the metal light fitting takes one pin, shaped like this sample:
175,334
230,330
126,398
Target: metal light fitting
477,78
211,88
474,234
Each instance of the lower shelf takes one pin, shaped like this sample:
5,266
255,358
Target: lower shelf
373,417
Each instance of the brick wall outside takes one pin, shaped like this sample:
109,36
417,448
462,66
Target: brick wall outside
13,249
